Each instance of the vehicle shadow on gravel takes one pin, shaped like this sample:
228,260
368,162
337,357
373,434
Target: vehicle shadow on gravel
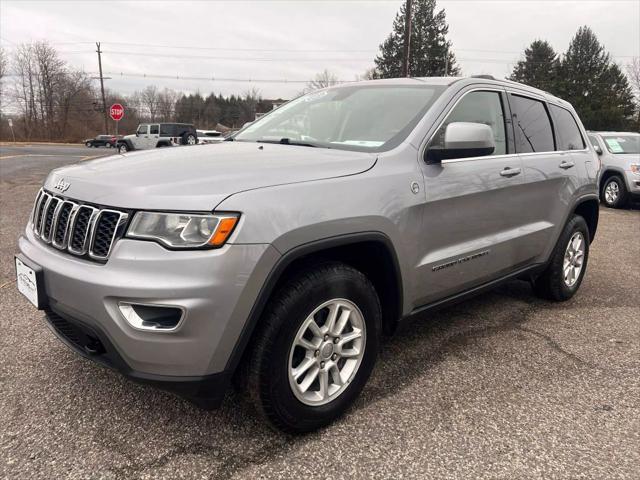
233,438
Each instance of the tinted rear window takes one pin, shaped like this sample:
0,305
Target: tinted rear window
532,125
569,136
168,130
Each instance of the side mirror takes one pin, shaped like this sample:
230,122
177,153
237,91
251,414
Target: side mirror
597,149
463,140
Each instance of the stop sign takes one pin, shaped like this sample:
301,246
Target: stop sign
116,111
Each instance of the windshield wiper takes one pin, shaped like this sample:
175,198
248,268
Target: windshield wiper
288,141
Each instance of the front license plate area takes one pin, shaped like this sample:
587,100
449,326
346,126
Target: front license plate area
29,278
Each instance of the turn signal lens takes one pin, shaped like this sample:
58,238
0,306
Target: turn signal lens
225,227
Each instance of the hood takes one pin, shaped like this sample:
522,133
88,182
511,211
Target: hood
199,177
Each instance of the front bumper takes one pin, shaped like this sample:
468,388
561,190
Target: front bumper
216,289
633,183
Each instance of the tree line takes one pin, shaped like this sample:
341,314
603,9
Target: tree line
54,101
585,75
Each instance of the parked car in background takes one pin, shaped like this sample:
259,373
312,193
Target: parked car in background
108,141
280,257
154,135
620,173
210,136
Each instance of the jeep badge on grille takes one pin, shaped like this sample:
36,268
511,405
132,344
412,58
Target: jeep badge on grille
62,185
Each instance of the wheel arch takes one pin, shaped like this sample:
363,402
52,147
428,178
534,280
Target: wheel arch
356,250
609,172
589,209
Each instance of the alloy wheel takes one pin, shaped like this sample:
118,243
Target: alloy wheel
611,192
327,351
573,259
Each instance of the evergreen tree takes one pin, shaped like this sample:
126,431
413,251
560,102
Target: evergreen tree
539,68
595,86
430,53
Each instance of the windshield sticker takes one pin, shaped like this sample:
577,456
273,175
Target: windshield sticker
614,146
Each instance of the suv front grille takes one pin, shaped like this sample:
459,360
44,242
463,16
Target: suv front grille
80,229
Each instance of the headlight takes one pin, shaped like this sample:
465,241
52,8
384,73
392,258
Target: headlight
635,168
183,230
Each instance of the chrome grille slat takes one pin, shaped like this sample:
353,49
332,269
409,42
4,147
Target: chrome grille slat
80,229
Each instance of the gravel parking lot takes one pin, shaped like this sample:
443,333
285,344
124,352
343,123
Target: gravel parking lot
503,386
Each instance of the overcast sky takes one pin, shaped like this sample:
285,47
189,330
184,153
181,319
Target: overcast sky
293,40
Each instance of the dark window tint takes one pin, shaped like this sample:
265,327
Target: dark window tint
532,125
154,129
569,136
167,130
477,107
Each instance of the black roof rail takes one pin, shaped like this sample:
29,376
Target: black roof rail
486,77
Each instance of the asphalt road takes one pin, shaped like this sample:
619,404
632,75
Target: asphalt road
503,386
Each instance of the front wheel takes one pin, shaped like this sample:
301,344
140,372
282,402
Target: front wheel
563,276
122,148
614,192
317,348
87,144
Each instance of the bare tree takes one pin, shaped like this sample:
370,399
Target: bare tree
633,72
323,79
250,103
150,101
25,86
51,73
167,104
3,72
369,74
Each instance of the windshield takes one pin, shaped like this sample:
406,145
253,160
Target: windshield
366,118
622,143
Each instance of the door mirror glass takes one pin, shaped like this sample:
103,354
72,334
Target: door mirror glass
463,140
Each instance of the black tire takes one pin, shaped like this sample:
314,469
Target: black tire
265,374
88,144
551,284
189,139
618,184
123,148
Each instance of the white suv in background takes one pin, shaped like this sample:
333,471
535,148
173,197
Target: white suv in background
620,173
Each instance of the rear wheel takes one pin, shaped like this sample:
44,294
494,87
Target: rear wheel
317,348
189,139
564,274
614,192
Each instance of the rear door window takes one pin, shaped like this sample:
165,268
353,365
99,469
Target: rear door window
154,129
569,136
532,125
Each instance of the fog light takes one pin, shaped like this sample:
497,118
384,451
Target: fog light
154,318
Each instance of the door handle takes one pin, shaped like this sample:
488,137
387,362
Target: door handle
564,164
510,172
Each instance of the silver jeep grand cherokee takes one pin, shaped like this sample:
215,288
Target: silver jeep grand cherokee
280,257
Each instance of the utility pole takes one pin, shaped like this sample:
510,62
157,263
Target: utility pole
104,100
407,39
